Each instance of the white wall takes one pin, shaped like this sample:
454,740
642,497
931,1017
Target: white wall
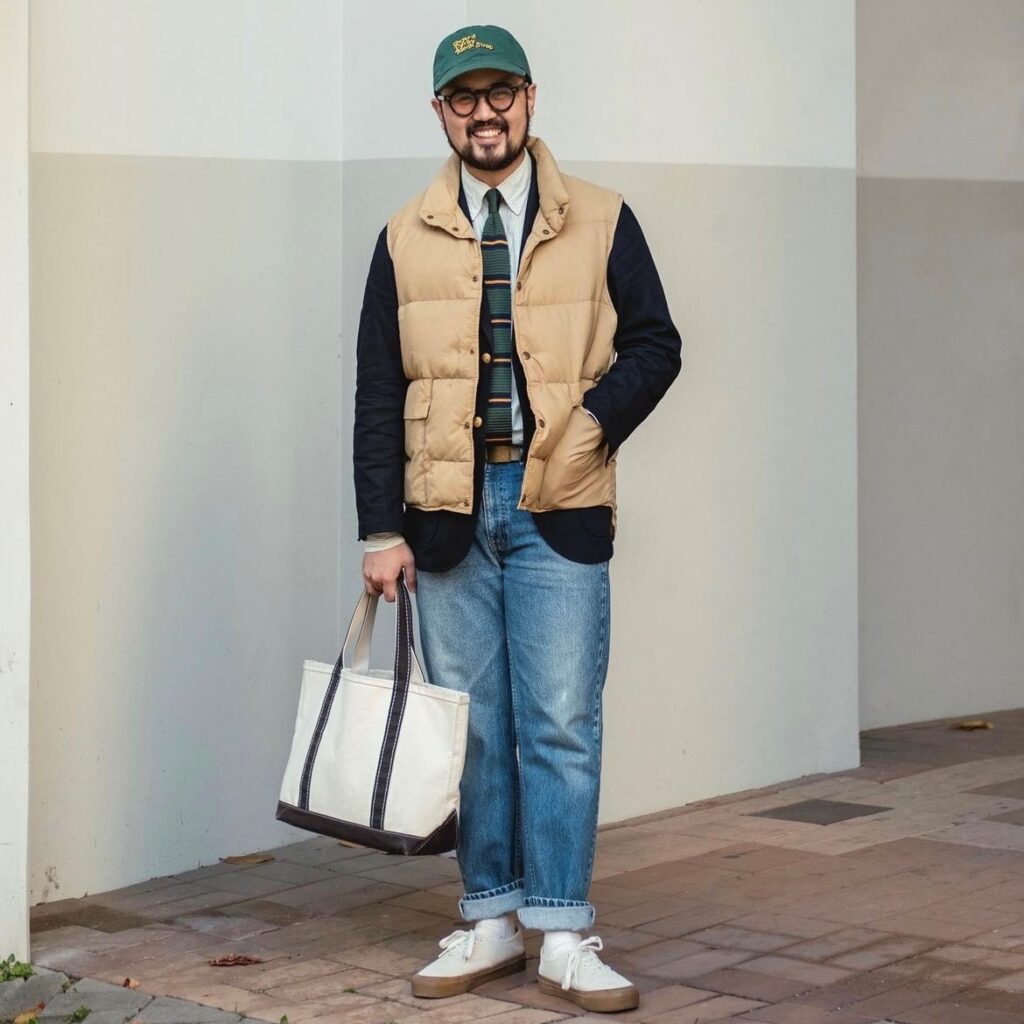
15,584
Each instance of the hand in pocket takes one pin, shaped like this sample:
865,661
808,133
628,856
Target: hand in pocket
573,467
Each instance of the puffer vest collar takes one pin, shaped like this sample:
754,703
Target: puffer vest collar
440,206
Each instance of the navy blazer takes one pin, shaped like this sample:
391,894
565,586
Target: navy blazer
648,358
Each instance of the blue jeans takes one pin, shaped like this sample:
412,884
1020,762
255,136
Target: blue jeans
524,631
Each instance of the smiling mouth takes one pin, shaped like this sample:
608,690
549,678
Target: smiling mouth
487,135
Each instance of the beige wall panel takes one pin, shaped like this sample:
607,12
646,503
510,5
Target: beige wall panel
185,451
942,476
939,88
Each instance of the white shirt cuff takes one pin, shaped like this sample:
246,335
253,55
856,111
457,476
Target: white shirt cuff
382,541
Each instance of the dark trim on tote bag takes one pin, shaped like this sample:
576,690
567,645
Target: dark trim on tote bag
374,835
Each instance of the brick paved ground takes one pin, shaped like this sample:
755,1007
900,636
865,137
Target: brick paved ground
894,892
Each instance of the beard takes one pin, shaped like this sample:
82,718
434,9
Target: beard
497,158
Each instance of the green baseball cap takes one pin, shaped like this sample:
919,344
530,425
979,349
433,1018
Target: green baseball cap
478,46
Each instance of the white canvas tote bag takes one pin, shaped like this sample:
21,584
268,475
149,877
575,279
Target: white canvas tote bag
377,754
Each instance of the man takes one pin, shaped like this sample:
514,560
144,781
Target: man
514,333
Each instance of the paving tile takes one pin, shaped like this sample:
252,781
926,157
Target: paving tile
1009,787
1013,982
990,999
378,957
299,1013
1006,962
785,924
796,970
525,1015
896,1002
165,1010
664,999
954,1013
701,915
264,910
661,952
736,981
716,1008
825,947
325,986
121,1000
820,812
134,899
460,1009
19,995
89,915
697,964
648,910
190,904
927,927
880,954
223,997
223,926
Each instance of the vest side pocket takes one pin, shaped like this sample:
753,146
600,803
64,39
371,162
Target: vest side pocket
417,406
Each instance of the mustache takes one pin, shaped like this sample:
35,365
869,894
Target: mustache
487,124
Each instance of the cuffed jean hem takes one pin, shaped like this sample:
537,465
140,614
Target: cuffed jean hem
550,914
493,902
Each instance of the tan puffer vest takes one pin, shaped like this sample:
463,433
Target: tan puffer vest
564,326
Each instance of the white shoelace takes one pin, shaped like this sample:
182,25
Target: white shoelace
451,943
583,955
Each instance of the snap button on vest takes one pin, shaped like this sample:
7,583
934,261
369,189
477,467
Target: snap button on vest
526,355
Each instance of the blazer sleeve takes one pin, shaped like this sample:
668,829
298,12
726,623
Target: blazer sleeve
648,348
378,440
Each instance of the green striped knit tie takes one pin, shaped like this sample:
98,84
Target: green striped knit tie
498,285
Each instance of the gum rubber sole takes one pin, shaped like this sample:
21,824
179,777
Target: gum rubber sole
427,987
602,1000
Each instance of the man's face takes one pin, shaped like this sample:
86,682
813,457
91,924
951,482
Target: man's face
474,137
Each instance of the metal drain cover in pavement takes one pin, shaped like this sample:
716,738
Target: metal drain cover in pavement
820,812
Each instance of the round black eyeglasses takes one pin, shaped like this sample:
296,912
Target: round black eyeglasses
499,98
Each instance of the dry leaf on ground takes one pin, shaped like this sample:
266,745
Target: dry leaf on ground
234,960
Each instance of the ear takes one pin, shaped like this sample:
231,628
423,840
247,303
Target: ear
437,105
531,97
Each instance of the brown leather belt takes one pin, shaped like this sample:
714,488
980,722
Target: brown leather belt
503,452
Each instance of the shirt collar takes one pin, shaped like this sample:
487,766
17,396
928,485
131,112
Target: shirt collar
514,189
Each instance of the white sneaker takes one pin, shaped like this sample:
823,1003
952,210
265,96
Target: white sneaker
577,973
469,959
